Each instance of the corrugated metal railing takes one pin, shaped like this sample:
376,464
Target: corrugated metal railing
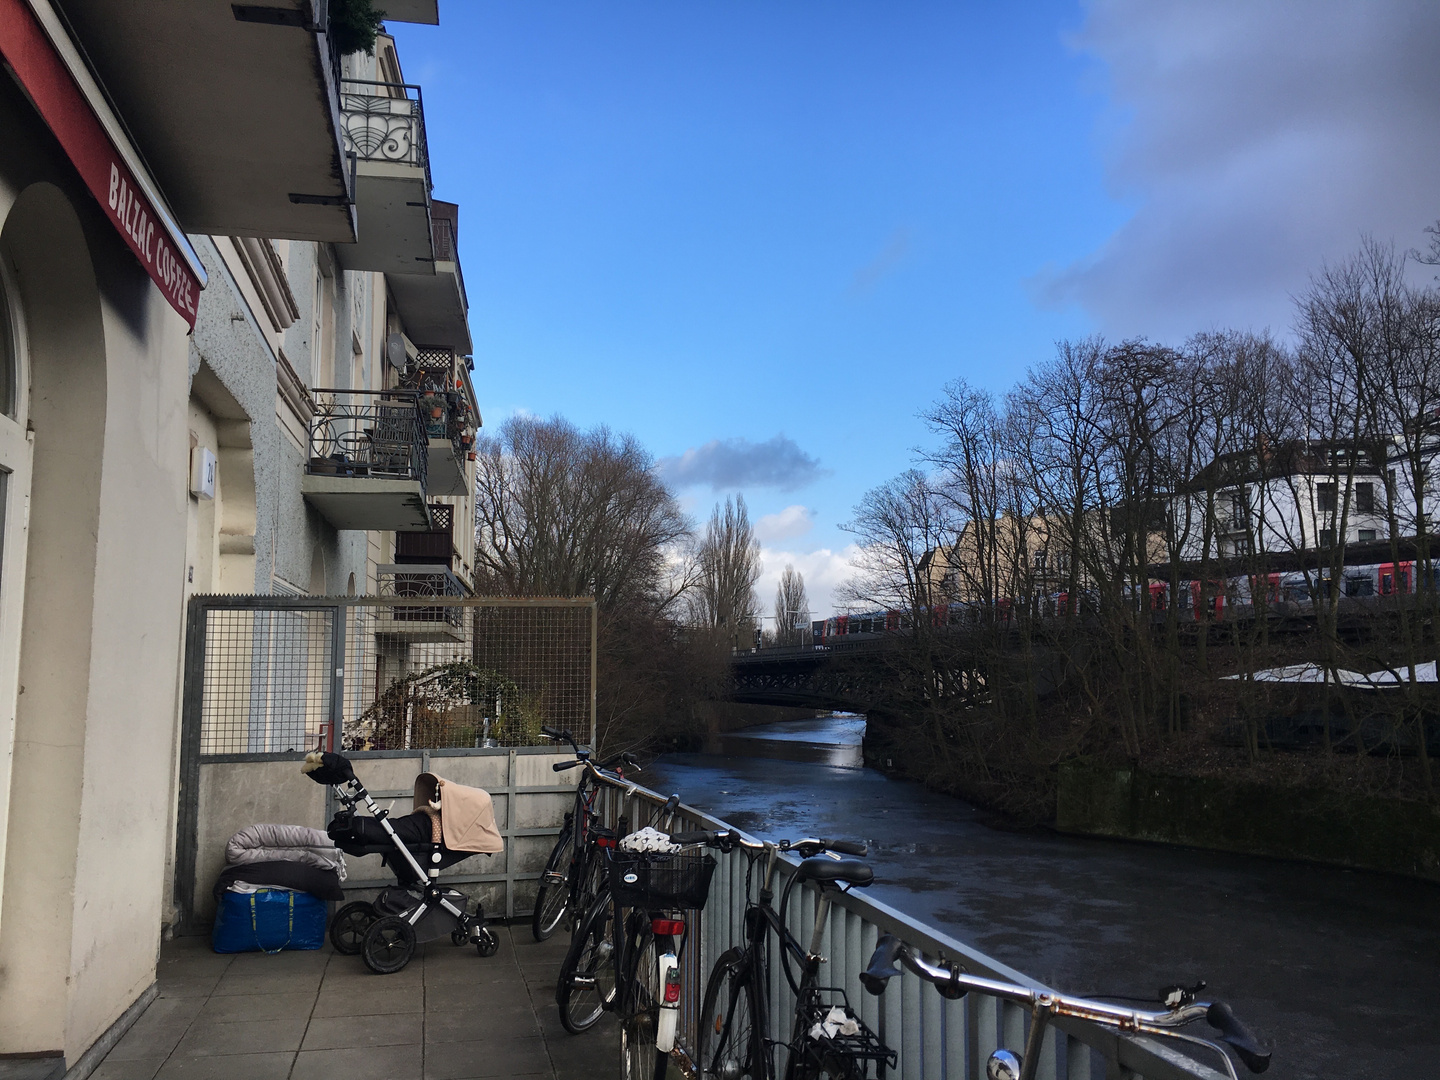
933,1037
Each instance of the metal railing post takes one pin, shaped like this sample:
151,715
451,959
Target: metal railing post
334,736
187,816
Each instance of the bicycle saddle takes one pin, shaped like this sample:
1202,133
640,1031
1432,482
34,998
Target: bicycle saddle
836,871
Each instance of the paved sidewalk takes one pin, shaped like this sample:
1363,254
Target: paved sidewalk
450,1015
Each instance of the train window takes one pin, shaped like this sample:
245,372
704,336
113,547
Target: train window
1359,586
1387,584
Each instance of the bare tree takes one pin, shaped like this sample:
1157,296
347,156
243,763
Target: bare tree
564,512
896,525
728,566
561,512
792,608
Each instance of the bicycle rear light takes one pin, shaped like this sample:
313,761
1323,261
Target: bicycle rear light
667,927
672,986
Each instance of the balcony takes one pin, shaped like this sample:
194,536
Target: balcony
420,622
234,107
433,306
368,460
450,419
383,127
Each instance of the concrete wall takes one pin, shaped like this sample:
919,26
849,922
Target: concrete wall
233,794
1291,823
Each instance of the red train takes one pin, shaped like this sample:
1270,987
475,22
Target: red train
1208,601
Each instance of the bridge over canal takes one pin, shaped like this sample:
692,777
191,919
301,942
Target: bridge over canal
853,676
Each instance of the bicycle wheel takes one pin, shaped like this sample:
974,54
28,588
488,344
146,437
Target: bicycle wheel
728,1033
639,1059
553,895
586,983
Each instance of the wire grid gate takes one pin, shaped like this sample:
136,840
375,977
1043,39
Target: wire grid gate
413,673
268,678
933,1037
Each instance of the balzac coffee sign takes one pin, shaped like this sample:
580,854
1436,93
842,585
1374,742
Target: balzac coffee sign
42,72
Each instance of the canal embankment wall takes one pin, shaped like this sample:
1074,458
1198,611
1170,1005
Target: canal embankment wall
1312,824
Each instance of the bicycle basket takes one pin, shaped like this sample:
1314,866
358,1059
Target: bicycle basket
823,1038
657,882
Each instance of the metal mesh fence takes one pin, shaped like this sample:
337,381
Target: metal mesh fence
412,674
267,680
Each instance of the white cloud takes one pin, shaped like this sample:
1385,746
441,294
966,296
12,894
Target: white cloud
823,570
793,521
1259,140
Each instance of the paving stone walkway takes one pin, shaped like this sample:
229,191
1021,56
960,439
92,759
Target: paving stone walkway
450,1015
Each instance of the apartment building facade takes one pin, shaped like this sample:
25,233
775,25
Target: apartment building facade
233,358
1297,497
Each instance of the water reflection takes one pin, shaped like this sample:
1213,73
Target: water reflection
837,740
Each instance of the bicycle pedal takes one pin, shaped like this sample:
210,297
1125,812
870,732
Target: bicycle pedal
582,982
553,877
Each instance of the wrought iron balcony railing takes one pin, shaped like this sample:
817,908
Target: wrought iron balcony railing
368,433
418,580
385,122
447,249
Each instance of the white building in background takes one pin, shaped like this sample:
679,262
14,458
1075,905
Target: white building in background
1299,496
220,258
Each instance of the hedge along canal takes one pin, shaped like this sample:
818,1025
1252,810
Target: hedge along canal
1337,967
1389,835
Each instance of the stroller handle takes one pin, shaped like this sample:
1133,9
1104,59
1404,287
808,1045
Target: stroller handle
329,769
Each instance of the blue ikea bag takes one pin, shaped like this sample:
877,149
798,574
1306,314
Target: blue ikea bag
268,920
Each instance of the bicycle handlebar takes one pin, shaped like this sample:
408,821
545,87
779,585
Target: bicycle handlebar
952,982
1240,1038
559,736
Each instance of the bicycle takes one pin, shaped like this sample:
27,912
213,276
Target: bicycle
826,1037
1181,1008
572,876
589,976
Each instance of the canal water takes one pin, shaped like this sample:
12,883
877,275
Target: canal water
1338,970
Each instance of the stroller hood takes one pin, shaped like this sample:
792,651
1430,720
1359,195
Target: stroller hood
467,815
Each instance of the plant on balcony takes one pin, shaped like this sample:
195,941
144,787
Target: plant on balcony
354,25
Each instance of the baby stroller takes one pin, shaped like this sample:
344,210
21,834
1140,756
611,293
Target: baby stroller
450,823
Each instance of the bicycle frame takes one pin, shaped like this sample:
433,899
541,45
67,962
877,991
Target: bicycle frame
761,918
583,818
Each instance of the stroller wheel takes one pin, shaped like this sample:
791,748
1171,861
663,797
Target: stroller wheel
347,929
389,945
459,936
487,944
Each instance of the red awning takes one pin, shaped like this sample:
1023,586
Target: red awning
148,230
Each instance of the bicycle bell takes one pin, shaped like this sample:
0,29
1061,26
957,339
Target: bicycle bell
1003,1065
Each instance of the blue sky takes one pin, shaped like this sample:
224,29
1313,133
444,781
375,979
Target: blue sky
762,236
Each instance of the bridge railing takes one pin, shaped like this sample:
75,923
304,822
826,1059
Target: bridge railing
933,1038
